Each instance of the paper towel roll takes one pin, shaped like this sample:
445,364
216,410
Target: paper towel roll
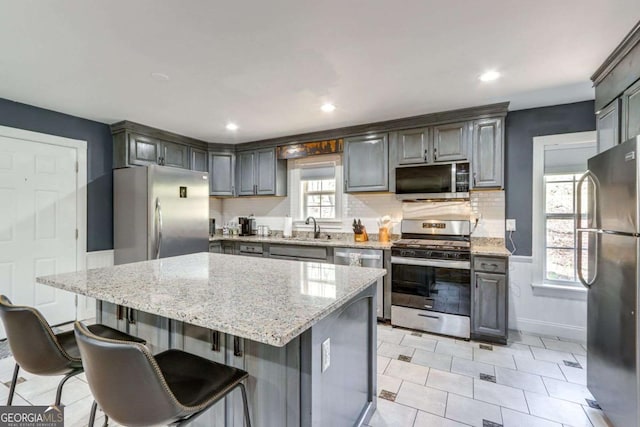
288,227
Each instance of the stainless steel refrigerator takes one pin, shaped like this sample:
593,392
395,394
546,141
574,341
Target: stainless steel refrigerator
608,232
159,212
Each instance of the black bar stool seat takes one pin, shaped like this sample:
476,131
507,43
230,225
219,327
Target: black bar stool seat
135,388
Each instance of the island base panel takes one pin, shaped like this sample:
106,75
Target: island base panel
286,385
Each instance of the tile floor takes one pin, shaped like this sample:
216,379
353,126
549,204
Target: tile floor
426,381
431,381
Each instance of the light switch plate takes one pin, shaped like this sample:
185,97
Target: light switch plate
326,354
511,225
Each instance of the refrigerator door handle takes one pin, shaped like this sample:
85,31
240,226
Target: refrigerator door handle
158,215
580,231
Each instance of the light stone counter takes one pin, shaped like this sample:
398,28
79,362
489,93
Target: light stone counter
341,243
265,300
489,246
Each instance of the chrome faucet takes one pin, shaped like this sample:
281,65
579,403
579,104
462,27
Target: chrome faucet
316,227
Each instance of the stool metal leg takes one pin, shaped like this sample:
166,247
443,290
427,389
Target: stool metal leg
92,415
13,384
246,405
64,380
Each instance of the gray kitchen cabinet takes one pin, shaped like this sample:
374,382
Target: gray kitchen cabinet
228,248
260,173
489,299
215,247
112,315
450,142
222,174
488,159
144,150
150,327
199,160
413,146
299,252
366,163
608,126
631,111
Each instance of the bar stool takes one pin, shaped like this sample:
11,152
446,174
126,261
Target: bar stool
41,352
135,388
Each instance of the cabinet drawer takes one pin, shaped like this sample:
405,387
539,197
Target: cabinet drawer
299,252
491,265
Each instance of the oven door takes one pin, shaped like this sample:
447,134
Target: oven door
433,285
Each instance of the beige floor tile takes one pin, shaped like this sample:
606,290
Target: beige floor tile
425,419
472,412
512,418
382,363
494,358
407,371
557,410
597,417
454,349
393,336
424,398
394,350
421,343
72,391
453,383
471,368
567,391
523,338
500,395
574,375
521,380
539,367
391,414
432,360
552,355
388,383
565,346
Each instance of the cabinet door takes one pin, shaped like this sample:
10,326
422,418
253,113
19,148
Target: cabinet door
215,247
246,174
487,153
152,328
631,111
366,163
199,160
413,146
266,171
175,155
228,248
222,174
450,142
608,126
144,150
489,304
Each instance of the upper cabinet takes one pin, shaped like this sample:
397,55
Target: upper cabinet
222,174
176,155
631,111
199,160
488,159
413,146
145,150
617,83
366,163
260,173
451,142
608,126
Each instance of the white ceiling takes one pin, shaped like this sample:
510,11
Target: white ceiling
269,65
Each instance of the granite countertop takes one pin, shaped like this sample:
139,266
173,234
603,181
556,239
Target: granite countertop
489,246
267,300
305,242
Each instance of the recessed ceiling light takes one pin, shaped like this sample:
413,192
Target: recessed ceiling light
232,126
490,76
328,107
159,76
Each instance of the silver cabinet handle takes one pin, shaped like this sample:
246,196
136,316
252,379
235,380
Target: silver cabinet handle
426,153
460,265
215,341
435,154
237,351
492,265
159,219
428,315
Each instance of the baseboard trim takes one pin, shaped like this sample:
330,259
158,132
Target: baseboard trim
542,327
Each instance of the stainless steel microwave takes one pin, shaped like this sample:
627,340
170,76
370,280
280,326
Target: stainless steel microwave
441,181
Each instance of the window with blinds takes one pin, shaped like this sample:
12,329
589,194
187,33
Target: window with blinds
318,186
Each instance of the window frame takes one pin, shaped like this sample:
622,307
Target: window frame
304,193
540,285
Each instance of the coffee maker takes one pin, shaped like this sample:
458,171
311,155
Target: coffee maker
247,226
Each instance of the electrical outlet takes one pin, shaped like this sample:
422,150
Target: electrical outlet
326,354
511,225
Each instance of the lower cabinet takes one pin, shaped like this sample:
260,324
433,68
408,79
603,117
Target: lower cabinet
150,327
489,291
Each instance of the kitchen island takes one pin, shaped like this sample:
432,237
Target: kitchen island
272,318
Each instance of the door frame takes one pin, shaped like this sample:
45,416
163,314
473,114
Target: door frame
81,181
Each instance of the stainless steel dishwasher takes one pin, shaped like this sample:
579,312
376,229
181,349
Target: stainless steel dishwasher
365,258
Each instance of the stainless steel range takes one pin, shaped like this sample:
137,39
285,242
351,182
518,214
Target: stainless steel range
431,277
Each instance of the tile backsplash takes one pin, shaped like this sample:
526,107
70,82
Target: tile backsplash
487,206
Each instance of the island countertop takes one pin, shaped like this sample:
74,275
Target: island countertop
266,300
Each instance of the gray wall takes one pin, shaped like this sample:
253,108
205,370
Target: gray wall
99,160
521,127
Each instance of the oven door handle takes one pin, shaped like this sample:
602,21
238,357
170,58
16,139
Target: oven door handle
460,265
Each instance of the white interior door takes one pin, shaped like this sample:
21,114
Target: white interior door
38,221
